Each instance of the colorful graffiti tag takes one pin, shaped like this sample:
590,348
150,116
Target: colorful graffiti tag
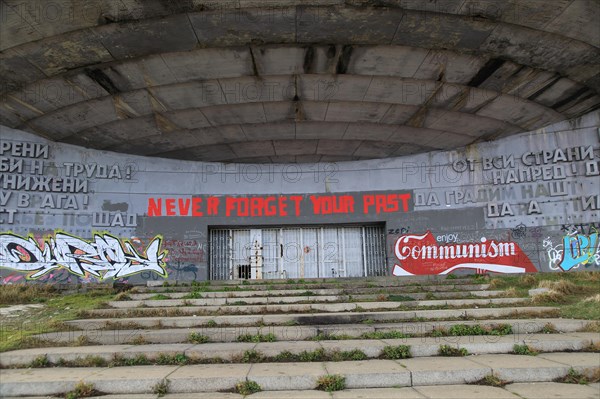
576,250
103,257
421,254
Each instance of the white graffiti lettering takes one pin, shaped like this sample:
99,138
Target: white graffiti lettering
576,250
103,257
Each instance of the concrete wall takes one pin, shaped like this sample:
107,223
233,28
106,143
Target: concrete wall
522,204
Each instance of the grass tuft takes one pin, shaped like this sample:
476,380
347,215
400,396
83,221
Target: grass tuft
161,388
12,294
331,383
197,338
396,352
81,390
247,387
257,338
524,350
549,328
446,350
575,377
492,380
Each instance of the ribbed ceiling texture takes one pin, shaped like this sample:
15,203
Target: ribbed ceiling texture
294,81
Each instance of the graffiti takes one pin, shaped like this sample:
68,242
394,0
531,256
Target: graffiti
401,230
102,257
421,254
185,250
554,253
579,249
571,229
519,232
575,250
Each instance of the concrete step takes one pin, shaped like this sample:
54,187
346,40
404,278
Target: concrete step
414,372
350,286
307,318
526,390
313,318
220,298
291,333
372,348
228,305
188,306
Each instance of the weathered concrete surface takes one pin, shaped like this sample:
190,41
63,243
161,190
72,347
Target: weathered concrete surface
444,370
233,351
519,368
379,393
285,376
543,390
464,392
370,373
207,378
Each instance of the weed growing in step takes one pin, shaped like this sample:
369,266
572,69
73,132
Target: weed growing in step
257,338
592,347
340,356
573,377
286,356
139,340
81,390
476,329
211,323
122,296
318,355
39,362
165,359
88,361
549,329
399,298
524,350
252,356
331,383
120,361
161,388
384,335
159,297
247,387
368,321
83,340
197,338
196,293
593,326
491,380
446,350
396,352
325,336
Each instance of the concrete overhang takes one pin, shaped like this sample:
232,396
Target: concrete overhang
294,81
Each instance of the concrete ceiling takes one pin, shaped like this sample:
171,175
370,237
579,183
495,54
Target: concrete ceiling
294,81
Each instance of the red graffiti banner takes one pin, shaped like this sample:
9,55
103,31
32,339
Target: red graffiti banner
421,254
280,205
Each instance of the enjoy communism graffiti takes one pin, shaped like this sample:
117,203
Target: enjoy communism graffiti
103,257
421,254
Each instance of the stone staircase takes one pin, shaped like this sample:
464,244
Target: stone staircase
420,337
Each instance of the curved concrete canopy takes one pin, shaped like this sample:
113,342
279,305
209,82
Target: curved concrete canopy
295,81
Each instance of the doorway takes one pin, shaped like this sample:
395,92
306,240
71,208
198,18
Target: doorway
297,252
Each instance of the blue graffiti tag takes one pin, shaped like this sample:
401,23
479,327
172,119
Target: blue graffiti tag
578,249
